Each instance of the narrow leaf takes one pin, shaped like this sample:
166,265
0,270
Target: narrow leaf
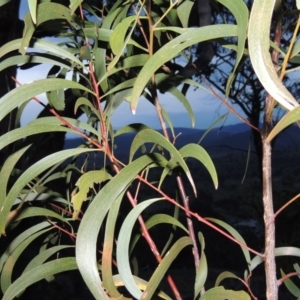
39,273
259,50
93,219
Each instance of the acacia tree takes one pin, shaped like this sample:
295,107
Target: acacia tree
111,53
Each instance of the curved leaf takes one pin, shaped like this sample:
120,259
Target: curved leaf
93,219
290,285
163,267
39,273
202,270
20,239
152,136
25,92
219,293
240,11
259,51
170,50
29,174
290,118
281,251
8,267
235,234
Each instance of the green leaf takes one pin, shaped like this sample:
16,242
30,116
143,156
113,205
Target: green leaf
33,59
152,136
39,273
25,92
199,153
109,239
44,255
219,293
290,118
93,219
84,184
74,5
280,251
28,175
140,283
164,266
172,49
32,4
240,11
202,271
117,40
29,212
44,46
225,275
46,11
8,267
123,247
290,285
236,235
259,50
20,239
184,11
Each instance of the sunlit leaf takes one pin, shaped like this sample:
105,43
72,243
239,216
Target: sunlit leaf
259,50
32,4
219,293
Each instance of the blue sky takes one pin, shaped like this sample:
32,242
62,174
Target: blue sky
207,107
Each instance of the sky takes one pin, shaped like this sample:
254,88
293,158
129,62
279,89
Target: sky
207,108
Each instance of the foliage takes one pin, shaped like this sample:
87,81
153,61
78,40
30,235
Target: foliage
126,52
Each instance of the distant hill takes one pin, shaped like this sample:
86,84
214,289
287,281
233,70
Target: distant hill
217,141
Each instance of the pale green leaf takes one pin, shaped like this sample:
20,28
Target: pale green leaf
93,219
46,11
219,293
164,266
259,50
225,275
32,4
44,46
184,11
74,5
280,251
202,270
140,283
290,118
236,235
290,285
